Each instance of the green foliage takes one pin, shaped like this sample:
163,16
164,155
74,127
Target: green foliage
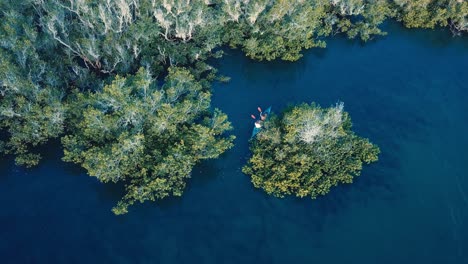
147,137
277,29
371,17
31,109
432,13
307,151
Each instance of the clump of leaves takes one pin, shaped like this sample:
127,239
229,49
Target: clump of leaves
146,137
307,151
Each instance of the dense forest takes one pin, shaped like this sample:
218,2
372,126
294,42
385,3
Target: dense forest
125,84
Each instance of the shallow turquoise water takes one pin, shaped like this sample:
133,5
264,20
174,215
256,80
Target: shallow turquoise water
407,92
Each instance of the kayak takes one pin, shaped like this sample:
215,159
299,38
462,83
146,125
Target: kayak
256,129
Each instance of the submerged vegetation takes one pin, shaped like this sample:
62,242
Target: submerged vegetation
307,151
125,83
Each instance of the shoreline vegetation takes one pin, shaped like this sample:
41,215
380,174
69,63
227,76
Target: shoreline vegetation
126,86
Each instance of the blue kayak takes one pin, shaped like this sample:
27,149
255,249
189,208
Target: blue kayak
255,129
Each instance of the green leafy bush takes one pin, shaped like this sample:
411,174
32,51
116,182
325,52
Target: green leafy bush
307,151
147,137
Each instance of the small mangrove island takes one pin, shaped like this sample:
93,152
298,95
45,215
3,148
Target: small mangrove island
307,150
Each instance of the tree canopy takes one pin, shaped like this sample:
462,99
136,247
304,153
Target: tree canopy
31,86
306,151
147,137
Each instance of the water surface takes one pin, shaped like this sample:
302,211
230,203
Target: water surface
407,92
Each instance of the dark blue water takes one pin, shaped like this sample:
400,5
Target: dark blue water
407,92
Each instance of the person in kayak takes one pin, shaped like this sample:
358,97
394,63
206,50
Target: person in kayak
258,124
263,116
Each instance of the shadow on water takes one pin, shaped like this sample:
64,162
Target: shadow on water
5,166
435,38
252,69
204,172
